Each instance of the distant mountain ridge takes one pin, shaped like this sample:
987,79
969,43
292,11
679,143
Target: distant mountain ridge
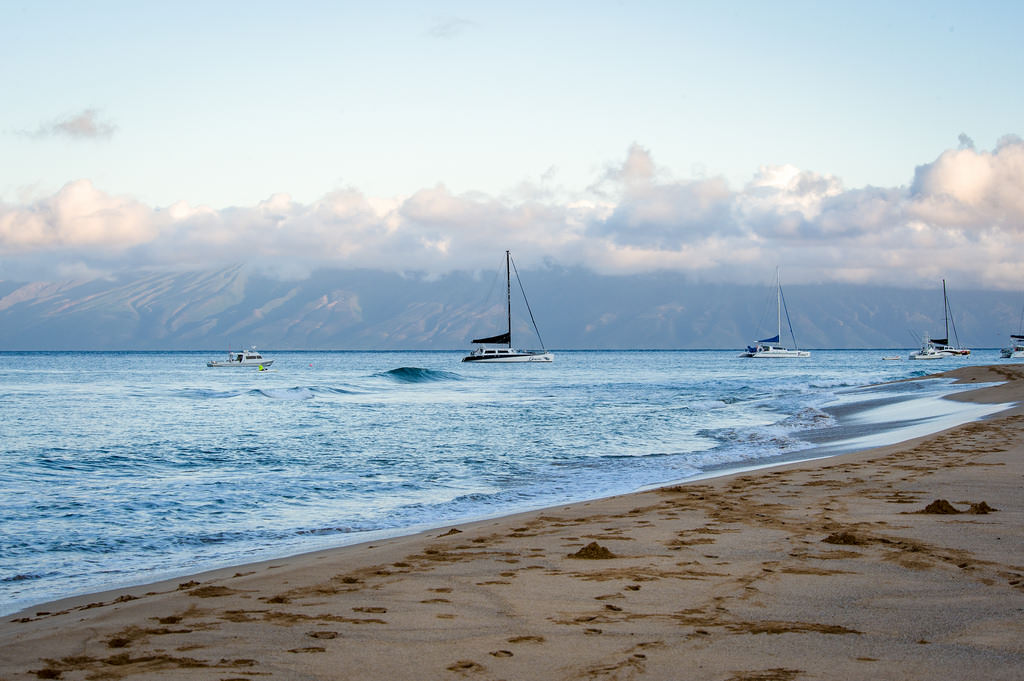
374,310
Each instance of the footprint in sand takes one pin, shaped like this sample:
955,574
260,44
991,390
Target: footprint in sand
466,666
526,639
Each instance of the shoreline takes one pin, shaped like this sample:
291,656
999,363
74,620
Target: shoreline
711,577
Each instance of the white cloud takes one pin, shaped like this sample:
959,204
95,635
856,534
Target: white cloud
961,219
448,27
84,125
973,190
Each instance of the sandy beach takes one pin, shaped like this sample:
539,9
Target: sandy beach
902,562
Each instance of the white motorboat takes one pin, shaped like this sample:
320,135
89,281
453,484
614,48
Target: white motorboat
247,358
929,350
1016,348
508,354
772,347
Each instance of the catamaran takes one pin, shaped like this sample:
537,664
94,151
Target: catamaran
937,348
507,354
772,347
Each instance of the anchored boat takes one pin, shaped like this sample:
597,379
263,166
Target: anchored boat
508,354
772,347
247,358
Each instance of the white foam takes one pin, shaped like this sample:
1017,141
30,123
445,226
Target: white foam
912,418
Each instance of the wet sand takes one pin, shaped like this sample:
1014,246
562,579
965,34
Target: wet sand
902,562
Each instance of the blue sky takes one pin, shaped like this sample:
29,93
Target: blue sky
502,109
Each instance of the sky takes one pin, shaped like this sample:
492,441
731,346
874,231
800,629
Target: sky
844,141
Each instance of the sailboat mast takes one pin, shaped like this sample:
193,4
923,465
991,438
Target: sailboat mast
778,305
945,308
508,296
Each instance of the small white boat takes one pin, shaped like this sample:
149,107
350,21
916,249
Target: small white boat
484,355
771,347
1016,348
891,358
247,358
930,350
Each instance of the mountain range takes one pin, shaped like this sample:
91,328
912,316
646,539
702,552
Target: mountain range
574,308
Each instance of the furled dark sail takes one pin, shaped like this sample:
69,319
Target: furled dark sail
940,341
773,339
501,338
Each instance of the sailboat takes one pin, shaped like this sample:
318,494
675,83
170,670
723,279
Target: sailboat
936,348
507,354
772,347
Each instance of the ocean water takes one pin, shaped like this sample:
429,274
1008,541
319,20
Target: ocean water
118,469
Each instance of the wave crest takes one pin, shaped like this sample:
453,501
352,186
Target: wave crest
419,375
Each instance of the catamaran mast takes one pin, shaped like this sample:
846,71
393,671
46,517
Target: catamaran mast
945,309
508,296
778,306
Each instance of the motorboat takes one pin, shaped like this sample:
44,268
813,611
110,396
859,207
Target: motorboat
772,347
929,350
485,355
1016,348
246,358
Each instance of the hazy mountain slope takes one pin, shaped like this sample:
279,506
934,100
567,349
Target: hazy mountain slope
575,308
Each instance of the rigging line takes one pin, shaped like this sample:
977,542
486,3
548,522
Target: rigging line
949,311
784,307
490,291
527,300
765,310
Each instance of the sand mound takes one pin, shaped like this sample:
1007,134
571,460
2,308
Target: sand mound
847,538
940,506
593,551
981,508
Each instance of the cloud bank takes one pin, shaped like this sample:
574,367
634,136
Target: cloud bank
961,218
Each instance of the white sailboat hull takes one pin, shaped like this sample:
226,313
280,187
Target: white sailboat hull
507,356
776,353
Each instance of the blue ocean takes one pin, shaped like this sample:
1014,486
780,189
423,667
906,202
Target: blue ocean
121,468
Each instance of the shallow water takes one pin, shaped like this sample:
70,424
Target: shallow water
123,468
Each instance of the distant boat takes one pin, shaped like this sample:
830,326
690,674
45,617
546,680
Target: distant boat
507,354
942,344
1016,348
248,358
772,347
929,350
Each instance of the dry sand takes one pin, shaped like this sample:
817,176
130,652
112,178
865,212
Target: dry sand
819,570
